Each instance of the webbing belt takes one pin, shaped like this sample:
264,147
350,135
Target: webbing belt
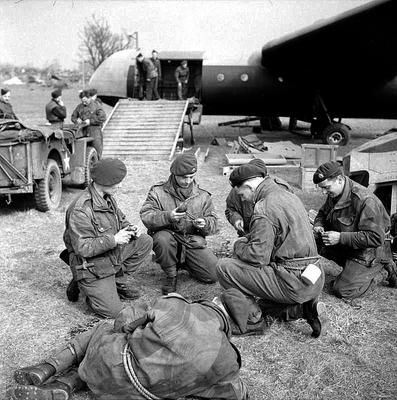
133,378
299,264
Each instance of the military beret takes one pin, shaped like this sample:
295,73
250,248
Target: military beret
259,163
245,172
4,91
328,170
237,306
184,164
84,93
108,171
92,92
56,93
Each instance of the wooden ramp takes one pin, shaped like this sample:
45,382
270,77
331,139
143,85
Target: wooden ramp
143,129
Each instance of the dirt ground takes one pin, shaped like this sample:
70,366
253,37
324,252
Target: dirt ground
355,359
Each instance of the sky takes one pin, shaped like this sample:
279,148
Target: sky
36,32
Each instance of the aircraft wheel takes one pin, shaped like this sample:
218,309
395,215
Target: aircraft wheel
336,134
48,191
91,158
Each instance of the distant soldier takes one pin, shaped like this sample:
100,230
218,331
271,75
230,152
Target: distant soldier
238,211
157,64
90,117
176,349
350,229
102,245
55,110
6,110
182,78
150,75
179,215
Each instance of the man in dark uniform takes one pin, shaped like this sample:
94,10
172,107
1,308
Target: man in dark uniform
350,229
90,117
276,260
6,110
103,246
157,65
179,215
182,78
55,110
239,212
132,361
150,76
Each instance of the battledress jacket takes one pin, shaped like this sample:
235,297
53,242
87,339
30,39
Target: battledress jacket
362,220
279,229
92,111
90,226
237,209
55,112
162,199
182,349
6,110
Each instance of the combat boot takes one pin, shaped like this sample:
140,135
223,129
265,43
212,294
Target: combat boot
170,285
49,391
252,329
391,273
73,291
34,375
314,313
127,293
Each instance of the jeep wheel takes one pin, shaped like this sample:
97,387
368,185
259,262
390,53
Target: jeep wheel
48,191
90,159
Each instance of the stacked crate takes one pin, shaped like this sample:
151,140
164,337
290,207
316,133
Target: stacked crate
313,155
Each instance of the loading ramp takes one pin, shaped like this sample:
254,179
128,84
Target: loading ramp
144,129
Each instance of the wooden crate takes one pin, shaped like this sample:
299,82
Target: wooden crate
313,155
306,179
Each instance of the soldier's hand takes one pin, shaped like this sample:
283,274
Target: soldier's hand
123,236
199,223
87,121
79,120
177,215
135,230
331,238
318,229
239,225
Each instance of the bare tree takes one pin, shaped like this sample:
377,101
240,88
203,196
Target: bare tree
98,42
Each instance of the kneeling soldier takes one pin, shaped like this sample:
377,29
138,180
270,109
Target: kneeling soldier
103,246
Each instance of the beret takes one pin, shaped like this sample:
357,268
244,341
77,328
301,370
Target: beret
245,172
259,163
92,92
84,93
56,93
184,164
237,306
330,169
4,91
108,171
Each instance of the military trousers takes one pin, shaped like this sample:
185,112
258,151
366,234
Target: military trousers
101,294
356,279
97,143
281,290
199,262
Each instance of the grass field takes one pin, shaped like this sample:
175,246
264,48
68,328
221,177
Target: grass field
356,359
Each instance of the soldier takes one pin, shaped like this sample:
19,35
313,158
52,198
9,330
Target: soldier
150,76
103,246
350,230
55,110
182,78
132,361
276,260
157,65
239,212
179,215
6,110
90,117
